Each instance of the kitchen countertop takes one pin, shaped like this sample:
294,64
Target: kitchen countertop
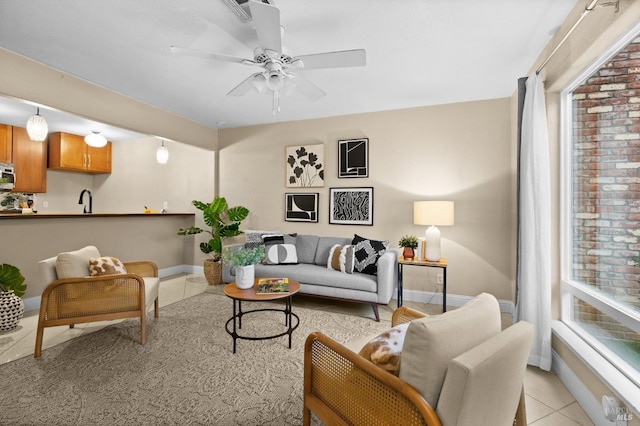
4,215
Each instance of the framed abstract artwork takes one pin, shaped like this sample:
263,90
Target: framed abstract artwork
351,206
301,207
305,166
353,158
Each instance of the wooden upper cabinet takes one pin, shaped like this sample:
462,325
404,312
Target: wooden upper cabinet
29,162
6,135
69,152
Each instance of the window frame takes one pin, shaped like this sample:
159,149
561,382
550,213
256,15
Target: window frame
570,288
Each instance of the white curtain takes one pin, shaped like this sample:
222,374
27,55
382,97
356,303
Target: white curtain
534,239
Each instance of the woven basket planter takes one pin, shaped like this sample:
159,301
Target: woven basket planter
11,310
213,271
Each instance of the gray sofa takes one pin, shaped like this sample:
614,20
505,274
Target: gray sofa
317,280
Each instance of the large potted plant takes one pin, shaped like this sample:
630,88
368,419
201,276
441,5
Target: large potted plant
12,288
244,260
224,222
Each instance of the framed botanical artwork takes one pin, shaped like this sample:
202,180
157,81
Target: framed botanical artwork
351,206
301,207
353,158
305,166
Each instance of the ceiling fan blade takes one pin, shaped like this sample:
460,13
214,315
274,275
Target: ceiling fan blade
207,55
252,82
266,21
307,88
343,58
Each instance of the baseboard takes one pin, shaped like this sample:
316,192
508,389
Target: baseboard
591,406
506,306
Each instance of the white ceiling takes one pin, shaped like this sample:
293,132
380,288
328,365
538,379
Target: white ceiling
419,52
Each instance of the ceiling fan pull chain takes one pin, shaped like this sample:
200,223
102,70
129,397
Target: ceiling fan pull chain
276,102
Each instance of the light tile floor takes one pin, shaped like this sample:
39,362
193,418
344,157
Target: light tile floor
548,401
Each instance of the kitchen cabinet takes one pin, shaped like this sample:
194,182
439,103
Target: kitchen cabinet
5,143
69,152
29,162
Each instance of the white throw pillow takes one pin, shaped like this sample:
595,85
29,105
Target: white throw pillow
280,254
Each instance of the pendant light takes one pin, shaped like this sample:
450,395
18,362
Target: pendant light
37,127
162,154
95,139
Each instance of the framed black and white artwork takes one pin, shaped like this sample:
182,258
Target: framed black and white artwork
301,207
353,158
351,206
305,166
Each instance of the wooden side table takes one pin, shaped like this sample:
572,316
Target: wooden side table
442,263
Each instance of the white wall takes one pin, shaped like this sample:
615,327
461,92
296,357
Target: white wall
460,152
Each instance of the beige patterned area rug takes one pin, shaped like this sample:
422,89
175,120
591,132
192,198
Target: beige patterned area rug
185,374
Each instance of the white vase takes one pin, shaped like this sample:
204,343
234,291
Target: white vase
245,276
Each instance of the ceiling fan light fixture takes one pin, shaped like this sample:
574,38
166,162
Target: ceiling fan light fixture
275,81
95,139
37,127
259,82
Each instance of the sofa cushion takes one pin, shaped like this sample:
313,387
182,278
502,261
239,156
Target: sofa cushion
385,349
319,276
432,342
74,264
367,253
106,265
280,254
341,258
324,245
306,246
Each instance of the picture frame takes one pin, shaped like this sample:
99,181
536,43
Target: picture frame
351,206
301,206
304,166
353,158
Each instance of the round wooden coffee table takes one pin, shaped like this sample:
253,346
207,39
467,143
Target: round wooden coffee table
250,295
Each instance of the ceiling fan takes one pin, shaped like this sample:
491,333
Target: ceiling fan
277,75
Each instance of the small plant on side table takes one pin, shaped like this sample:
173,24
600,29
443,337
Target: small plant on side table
410,243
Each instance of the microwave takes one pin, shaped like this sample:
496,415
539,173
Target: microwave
7,177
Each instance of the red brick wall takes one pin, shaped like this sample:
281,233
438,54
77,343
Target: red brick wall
606,180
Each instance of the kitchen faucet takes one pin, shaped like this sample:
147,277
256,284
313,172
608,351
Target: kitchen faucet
90,201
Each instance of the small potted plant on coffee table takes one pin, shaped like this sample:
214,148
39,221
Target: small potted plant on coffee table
410,243
244,260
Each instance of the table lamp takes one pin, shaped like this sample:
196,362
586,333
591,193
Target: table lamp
433,214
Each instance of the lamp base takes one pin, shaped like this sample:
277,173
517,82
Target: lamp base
432,239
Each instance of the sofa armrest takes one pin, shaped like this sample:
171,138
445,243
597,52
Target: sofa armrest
341,387
387,275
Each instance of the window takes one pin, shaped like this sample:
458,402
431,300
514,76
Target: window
601,206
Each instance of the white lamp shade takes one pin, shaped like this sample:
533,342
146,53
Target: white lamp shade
95,139
37,127
438,213
162,154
